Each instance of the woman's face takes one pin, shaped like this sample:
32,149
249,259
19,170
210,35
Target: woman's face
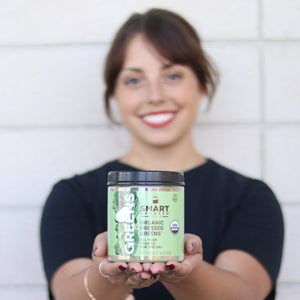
158,100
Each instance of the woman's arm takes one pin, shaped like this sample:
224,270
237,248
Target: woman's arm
120,277
235,275
68,282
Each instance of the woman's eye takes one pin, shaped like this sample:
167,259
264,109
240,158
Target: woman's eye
132,81
174,76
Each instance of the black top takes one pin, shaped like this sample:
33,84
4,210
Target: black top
224,208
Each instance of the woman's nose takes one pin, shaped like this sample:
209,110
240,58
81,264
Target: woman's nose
155,92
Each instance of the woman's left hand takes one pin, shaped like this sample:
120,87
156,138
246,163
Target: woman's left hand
174,271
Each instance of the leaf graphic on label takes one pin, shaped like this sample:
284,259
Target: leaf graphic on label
123,214
115,202
136,241
117,249
136,207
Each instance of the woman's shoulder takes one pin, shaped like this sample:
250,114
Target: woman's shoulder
230,173
82,187
235,178
98,174
90,181
218,172
232,182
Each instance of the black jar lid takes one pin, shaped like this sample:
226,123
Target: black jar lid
145,177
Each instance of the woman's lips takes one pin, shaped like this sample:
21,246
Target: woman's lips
159,119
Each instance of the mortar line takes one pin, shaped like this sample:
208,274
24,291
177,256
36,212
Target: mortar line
105,44
237,124
23,286
262,109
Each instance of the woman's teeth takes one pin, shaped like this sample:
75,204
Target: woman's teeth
158,118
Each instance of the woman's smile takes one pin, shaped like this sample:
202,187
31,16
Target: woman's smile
158,119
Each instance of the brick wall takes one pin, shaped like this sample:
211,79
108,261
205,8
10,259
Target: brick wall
52,123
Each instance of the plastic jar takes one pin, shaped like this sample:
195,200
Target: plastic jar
145,216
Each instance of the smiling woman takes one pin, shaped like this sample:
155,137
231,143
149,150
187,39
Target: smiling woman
158,73
157,99
172,38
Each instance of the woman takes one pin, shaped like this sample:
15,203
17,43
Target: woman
158,74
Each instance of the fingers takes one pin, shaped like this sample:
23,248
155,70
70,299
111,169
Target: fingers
135,267
147,266
157,268
108,269
175,271
141,280
192,244
100,245
138,275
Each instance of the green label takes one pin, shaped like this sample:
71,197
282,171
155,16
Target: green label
145,225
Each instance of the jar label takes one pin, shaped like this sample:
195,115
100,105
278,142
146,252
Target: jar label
145,225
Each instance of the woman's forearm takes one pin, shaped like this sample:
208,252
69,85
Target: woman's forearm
101,288
208,282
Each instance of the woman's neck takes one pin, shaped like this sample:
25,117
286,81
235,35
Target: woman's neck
179,157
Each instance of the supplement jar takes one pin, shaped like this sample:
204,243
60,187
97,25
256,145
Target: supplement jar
145,216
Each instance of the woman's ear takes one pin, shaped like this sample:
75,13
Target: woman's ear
114,109
203,103
202,91
203,98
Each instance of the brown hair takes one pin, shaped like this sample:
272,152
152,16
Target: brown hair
172,36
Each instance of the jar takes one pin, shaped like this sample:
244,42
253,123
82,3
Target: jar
145,216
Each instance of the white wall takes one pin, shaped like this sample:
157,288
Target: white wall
52,123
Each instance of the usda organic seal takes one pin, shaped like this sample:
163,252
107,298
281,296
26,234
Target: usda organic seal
174,227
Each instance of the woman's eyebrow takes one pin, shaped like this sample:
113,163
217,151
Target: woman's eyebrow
167,66
132,69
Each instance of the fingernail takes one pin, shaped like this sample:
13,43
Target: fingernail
193,247
122,268
170,267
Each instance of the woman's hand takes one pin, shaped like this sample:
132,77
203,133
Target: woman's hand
120,273
174,271
136,275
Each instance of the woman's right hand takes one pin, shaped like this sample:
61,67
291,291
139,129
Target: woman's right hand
120,273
